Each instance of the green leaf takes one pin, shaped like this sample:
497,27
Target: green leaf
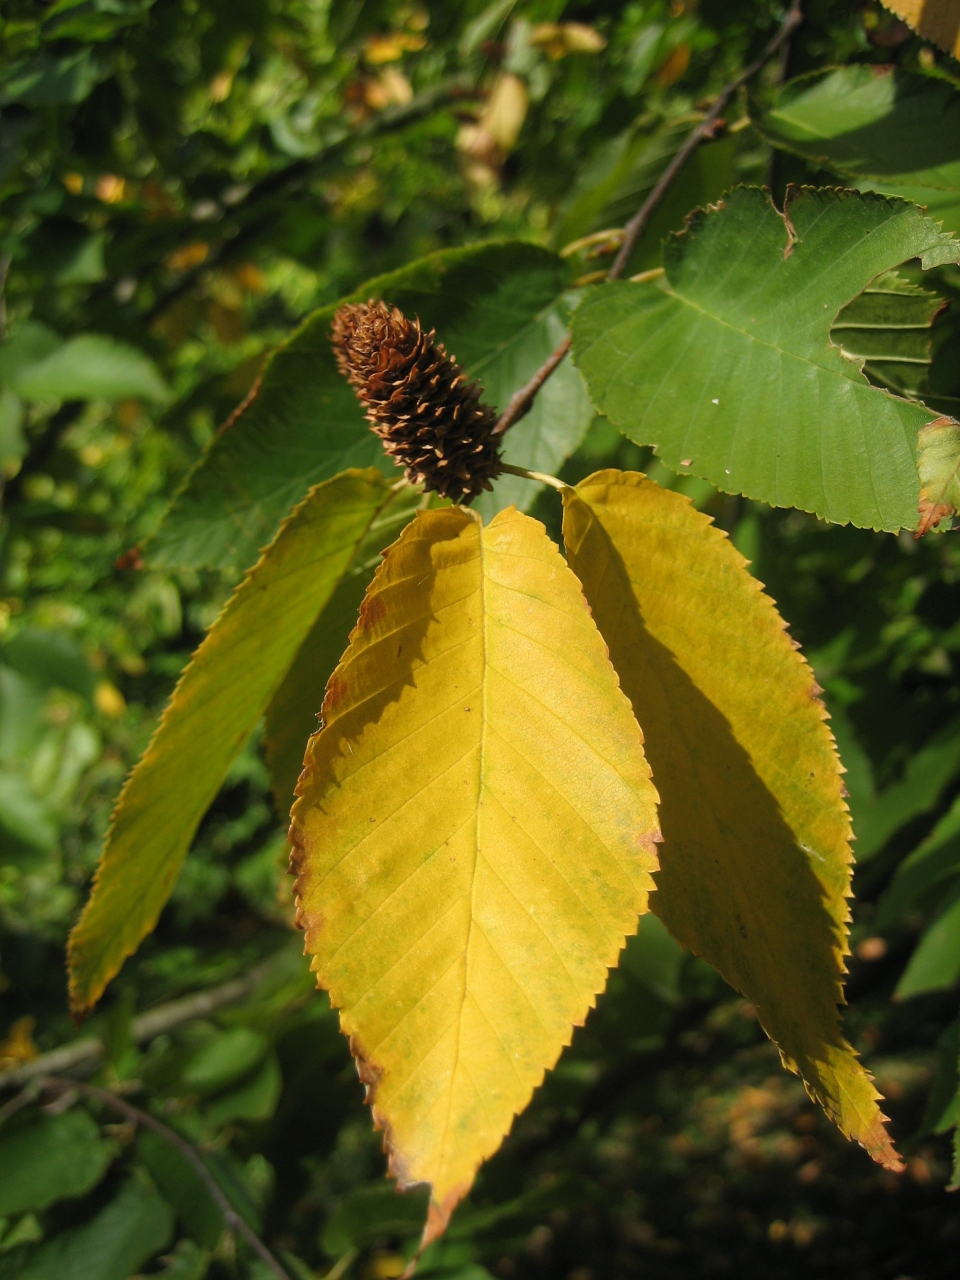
134,1226
943,1108
48,1158
49,79
215,706
13,443
935,861
223,1059
888,327
495,306
254,1099
927,773
182,1187
92,19
473,836
888,129
755,860
52,659
372,1215
293,714
612,187
726,366
91,367
935,965
23,815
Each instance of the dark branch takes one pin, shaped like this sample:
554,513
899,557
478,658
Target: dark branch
232,1219
522,401
638,223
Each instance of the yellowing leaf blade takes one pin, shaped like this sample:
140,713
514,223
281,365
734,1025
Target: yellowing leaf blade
936,20
473,838
755,865
218,701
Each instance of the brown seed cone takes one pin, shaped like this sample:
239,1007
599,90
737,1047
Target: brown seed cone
418,400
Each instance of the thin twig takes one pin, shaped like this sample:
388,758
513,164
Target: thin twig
83,1055
637,224
232,1219
541,477
522,401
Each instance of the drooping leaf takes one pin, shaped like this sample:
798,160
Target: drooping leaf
884,128
495,306
473,838
888,328
755,865
218,701
134,1226
92,367
927,773
48,1158
726,365
938,465
936,20
294,711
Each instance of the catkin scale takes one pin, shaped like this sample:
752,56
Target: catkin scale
418,400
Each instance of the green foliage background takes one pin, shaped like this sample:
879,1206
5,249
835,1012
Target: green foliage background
181,182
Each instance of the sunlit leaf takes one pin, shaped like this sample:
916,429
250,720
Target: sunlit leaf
727,367
219,699
936,20
495,306
884,128
755,865
473,838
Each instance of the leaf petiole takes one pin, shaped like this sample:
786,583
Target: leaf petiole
539,476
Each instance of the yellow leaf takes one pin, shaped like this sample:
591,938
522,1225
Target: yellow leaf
292,715
473,839
936,20
755,865
215,706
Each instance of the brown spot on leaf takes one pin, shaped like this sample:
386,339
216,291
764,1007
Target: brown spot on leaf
931,513
372,611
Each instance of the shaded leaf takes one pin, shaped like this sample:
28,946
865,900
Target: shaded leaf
371,1214
495,306
473,838
935,861
888,328
254,1099
928,771
182,1187
727,365
48,79
885,128
755,865
219,699
134,1226
935,964
48,1158
51,658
